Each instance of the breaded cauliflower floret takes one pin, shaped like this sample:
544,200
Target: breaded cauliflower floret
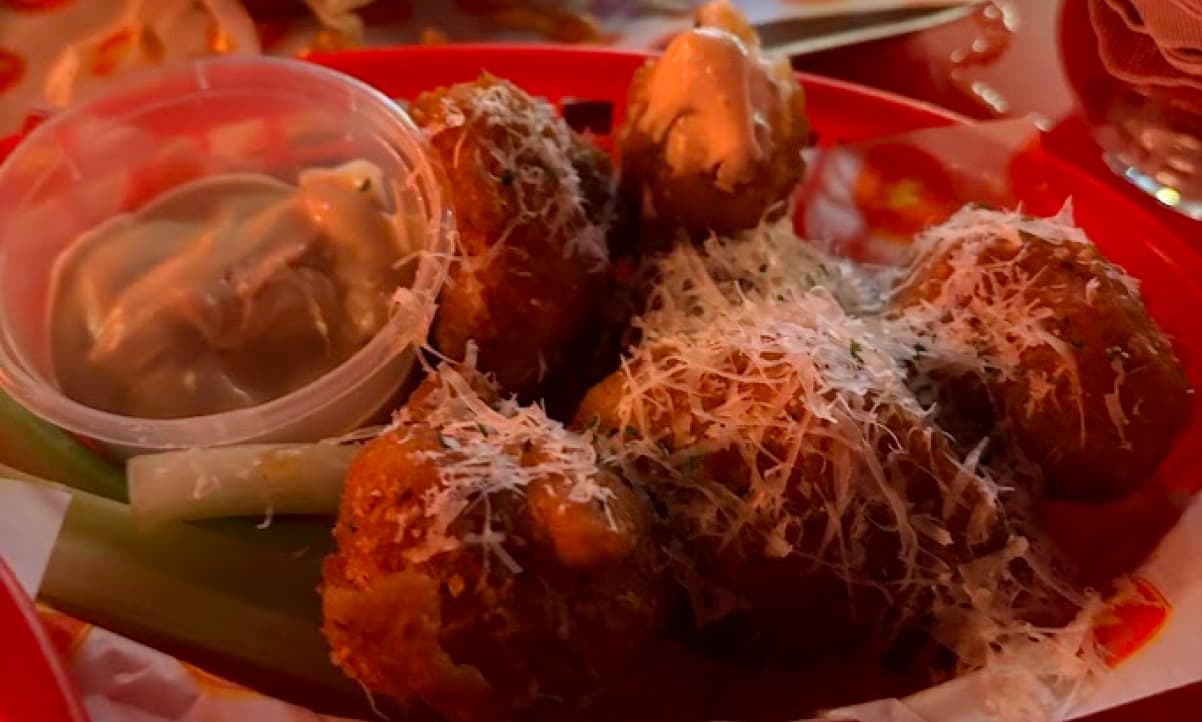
485,563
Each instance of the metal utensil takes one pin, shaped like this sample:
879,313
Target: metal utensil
802,36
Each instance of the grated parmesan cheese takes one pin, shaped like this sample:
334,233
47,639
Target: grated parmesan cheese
1112,399
989,310
690,286
531,149
766,368
785,387
490,446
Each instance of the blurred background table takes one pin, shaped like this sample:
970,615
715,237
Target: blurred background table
1020,73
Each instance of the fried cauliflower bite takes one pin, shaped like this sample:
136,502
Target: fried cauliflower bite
533,205
485,564
1022,324
714,130
814,505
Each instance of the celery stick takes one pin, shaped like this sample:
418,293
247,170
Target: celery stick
249,480
44,450
243,611
301,536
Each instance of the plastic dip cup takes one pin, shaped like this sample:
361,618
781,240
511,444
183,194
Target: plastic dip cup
157,130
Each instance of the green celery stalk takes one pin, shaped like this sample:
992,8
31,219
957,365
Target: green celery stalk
245,611
42,449
243,480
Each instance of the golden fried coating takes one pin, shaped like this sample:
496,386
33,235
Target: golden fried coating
532,204
1026,326
813,504
714,131
485,563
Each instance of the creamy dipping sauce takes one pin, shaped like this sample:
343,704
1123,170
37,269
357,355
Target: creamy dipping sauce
712,96
224,293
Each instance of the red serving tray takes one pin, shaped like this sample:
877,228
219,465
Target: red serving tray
839,112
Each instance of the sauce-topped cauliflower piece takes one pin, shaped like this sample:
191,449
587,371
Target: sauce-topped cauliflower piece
714,130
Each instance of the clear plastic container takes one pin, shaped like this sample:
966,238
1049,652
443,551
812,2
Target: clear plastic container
157,130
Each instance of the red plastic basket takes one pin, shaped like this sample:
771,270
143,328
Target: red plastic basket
1170,270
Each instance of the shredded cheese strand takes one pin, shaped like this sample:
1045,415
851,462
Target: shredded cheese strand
490,446
531,145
